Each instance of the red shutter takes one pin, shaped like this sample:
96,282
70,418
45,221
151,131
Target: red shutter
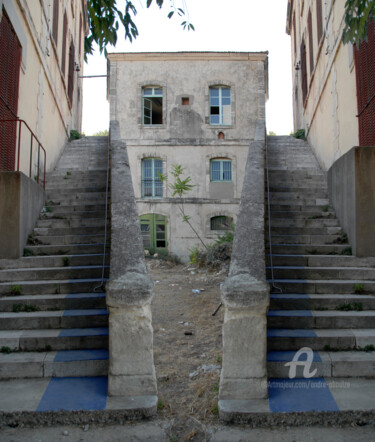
319,19
303,71
10,62
71,73
63,53
365,77
55,25
311,48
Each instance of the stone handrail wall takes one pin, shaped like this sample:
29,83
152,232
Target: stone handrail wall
130,290
245,292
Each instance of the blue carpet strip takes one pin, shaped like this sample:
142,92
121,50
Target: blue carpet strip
89,393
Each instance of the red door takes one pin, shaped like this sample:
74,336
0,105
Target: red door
365,75
10,62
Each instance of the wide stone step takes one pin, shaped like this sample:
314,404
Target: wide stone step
297,194
75,201
308,249
320,339
307,319
302,223
70,223
324,364
340,302
277,230
55,261
73,194
308,239
320,261
80,208
347,273
63,363
57,286
299,214
69,249
59,231
325,286
48,302
66,239
54,319
47,273
55,339
72,214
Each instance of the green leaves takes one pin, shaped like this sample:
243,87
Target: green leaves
358,14
105,19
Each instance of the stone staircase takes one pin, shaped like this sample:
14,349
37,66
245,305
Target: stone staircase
326,299
53,320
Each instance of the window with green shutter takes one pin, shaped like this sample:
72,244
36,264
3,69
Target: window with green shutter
152,105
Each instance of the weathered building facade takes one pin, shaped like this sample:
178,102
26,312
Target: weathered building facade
196,110
334,102
41,53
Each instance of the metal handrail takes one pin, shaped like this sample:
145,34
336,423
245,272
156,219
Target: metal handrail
40,146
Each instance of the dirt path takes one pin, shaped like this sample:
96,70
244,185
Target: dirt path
187,340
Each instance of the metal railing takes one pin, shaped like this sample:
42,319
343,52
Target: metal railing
33,139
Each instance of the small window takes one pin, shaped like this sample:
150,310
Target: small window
185,101
221,170
152,186
152,105
221,223
220,106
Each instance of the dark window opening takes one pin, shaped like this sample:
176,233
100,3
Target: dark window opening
185,101
221,223
55,25
63,52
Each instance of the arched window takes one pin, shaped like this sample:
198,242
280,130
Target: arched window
152,186
152,105
221,170
221,223
220,105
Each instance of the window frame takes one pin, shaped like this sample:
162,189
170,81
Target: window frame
153,95
221,105
215,217
221,162
154,178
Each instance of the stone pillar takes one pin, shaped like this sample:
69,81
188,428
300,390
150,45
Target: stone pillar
245,295
130,290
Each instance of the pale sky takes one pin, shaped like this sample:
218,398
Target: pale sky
220,25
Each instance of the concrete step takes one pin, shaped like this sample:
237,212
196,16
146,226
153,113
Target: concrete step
55,339
300,214
62,231
57,286
297,193
311,249
48,302
302,223
71,214
307,319
70,223
328,273
63,363
66,239
60,319
308,239
322,261
80,208
322,339
48,273
322,230
66,249
54,261
324,364
322,286
291,301
70,194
